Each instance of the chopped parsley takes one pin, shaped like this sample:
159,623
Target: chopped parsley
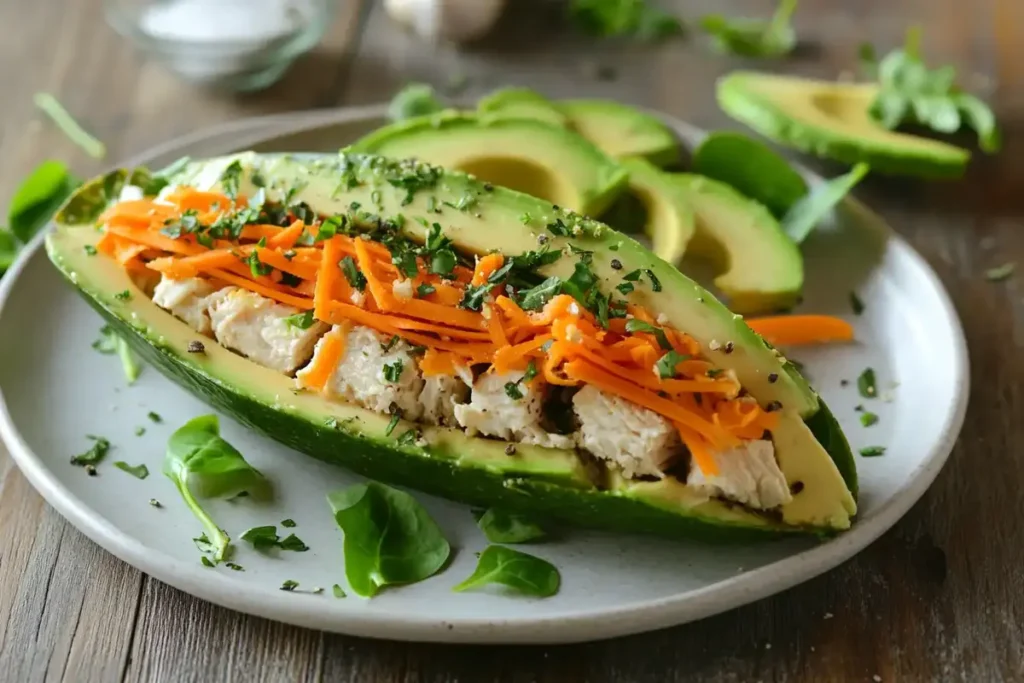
666,365
513,391
257,268
473,297
390,344
355,278
288,523
425,290
265,537
330,227
137,471
90,250
339,592
525,218
231,178
392,424
655,282
139,431
866,384
635,325
154,417
535,298
558,228
94,455
624,287
867,419
872,451
289,585
124,295
393,371
302,321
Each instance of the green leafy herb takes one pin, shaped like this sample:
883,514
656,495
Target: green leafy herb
525,218
264,538
872,451
94,455
415,99
806,214
535,298
425,290
910,92
473,297
635,325
38,197
56,111
867,419
624,287
866,384
139,431
203,465
338,591
1000,273
629,18
288,523
504,527
123,295
389,537
330,227
513,391
352,273
754,37
517,570
407,438
289,585
390,343
206,562
393,371
256,267
443,262
392,423
655,282
856,304
302,321
231,179
666,365
137,471
154,417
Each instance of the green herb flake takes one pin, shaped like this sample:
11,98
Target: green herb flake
872,451
407,438
392,423
234,567
635,325
301,321
355,278
288,523
123,295
338,591
535,298
154,417
139,431
513,391
516,570
289,585
94,455
90,250
666,365
525,218
866,384
867,419
206,562
137,471
393,371
425,290
293,543
1000,273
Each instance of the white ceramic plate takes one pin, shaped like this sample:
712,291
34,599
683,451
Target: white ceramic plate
56,389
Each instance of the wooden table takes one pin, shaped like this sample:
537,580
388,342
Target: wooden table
940,597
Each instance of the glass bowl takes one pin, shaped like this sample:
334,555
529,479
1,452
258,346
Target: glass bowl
240,45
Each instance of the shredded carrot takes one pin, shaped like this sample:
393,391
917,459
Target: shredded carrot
434,363
802,329
286,238
508,358
698,448
380,291
485,267
329,354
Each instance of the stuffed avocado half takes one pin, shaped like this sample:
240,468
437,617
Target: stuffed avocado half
425,329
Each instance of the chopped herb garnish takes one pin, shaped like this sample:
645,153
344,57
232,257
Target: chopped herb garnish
288,523
753,37
329,228
139,431
443,262
338,591
90,250
425,290
715,372
655,282
856,304
392,424
513,391
393,371
232,566
407,438
293,543
536,297
624,287
525,218
531,371
866,384
473,297
872,451
155,503
264,538
206,562
154,417
390,343
867,419
1000,273
302,321
635,325
289,585
633,275
231,178
355,278
124,295
137,471
94,455
257,268
559,228
666,365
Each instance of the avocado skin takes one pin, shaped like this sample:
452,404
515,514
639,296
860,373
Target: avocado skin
769,119
825,428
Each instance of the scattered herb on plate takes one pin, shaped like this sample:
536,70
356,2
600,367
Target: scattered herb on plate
338,591
504,527
203,465
94,455
264,538
866,384
137,471
872,451
389,537
517,570
111,342
868,419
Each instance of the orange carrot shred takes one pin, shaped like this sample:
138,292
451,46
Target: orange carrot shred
802,329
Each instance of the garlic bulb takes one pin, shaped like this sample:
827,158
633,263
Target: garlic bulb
457,21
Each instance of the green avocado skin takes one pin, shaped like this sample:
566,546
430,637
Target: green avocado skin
771,120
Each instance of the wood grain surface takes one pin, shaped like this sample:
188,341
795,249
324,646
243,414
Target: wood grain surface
940,597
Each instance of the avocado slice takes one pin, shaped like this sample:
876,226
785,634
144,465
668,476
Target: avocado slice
522,103
832,120
623,131
763,268
447,462
519,153
669,222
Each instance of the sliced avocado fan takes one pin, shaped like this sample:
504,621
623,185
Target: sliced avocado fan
623,131
833,120
668,220
524,103
523,154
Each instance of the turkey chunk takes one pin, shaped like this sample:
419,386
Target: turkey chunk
636,440
373,377
186,299
492,412
747,474
255,327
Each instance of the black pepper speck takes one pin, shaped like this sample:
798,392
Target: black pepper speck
844,382
510,449
773,406
542,239
616,264
90,470
196,346
797,487
773,378
729,347
488,187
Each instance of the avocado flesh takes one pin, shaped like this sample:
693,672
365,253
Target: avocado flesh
763,268
522,103
450,463
670,222
833,120
623,131
523,154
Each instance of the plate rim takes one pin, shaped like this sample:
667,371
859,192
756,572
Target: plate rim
580,626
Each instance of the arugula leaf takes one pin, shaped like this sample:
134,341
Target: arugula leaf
38,197
137,471
203,465
415,99
56,111
94,455
631,18
754,37
517,570
389,537
804,216
504,527
910,92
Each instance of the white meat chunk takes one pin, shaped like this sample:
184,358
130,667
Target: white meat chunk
747,474
361,375
186,299
439,397
255,327
636,440
492,412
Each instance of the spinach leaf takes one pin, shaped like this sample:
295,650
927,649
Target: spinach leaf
415,99
56,111
203,465
630,18
389,537
910,92
753,37
38,197
804,216
8,250
504,527
517,570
